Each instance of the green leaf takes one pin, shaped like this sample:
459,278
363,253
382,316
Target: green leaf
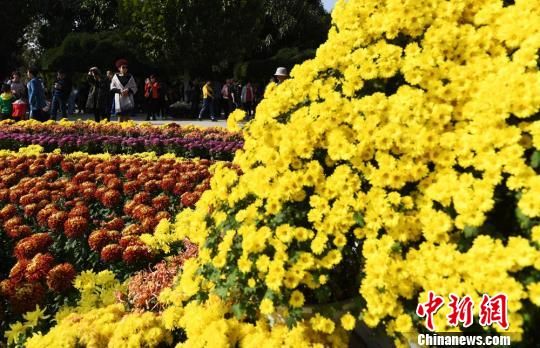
222,291
238,310
396,247
359,218
470,231
524,221
535,159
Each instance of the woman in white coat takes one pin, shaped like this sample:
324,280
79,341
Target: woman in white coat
124,88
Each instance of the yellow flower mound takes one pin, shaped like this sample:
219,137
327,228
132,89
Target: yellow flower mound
110,326
99,321
414,134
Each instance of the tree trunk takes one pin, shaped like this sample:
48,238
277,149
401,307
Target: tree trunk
186,83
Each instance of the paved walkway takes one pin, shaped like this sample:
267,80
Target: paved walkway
140,118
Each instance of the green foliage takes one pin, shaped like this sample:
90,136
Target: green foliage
194,35
61,17
293,23
263,69
79,51
15,16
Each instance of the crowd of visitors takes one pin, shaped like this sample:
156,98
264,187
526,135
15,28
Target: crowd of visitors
104,95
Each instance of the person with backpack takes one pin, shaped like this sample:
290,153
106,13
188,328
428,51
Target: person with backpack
124,87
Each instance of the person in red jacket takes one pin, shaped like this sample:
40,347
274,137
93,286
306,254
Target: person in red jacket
152,93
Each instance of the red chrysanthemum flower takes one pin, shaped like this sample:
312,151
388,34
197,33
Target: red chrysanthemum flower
50,175
75,227
151,186
8,211
142,197
113,183
136,253
133,229
111,198
60,277
189,199
98,239
42,194
180,188
72,190
163,215
43,215
19,232
115,224
161,202
129,206
4,195
18,271
67,166
148,224
81,176
80,210
56,220
53,160
132,173
36,169
167,184
15,195
110,169
39,266
24,297
130,188
12,223
100,192
31,210
130,240
88,194
30,246
7,287
111,253
143,211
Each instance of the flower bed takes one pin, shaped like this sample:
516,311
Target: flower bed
403,159
115,138
62,214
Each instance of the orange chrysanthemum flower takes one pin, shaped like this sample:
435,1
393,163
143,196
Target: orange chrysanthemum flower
60,277
75,227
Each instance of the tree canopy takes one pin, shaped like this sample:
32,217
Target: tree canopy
202,37
190,34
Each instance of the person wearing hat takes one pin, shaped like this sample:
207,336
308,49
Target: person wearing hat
97,95
124,87
60,94
281,75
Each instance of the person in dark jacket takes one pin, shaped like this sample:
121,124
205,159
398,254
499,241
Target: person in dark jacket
194,98
110,96
60,94
97,95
